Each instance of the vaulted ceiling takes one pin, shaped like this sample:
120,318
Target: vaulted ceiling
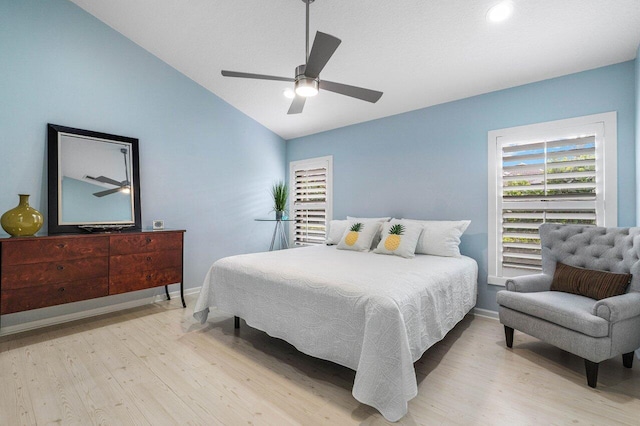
418,52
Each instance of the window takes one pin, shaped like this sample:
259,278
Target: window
311,196
560,171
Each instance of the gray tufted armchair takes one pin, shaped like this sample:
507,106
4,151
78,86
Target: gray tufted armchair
595,330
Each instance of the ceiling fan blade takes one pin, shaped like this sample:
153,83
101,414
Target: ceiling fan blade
353,91
297,105
323,47
107,192
255,76
105,179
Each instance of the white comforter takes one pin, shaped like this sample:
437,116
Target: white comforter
373,313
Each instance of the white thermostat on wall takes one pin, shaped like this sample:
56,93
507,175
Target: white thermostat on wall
158,224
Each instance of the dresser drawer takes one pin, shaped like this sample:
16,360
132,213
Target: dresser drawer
23,299
52,249
36,274
150,261
145,242
142,280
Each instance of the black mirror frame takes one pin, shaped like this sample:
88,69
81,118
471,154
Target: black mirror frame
53,131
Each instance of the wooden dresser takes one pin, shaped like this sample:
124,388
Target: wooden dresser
36,272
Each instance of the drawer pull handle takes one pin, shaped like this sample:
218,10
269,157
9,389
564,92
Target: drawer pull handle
148,277
61,245
61,289
148,258
148,240
59,267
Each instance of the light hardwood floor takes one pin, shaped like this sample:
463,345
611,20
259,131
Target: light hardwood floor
156,365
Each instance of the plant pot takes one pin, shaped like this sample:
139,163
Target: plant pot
279,215
23,220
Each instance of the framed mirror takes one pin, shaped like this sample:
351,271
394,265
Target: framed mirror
93,181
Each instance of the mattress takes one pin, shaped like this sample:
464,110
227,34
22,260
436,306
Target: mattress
373,313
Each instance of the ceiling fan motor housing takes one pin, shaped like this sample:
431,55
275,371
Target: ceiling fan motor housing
305,86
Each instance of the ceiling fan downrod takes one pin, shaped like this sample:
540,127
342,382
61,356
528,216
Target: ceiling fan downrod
306,55
305,86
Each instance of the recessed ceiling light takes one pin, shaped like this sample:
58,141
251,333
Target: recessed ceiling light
500,11
289,93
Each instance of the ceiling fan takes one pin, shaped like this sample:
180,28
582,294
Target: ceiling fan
307,76
122,186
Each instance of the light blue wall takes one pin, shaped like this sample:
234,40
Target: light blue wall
205,167
432,163
637,92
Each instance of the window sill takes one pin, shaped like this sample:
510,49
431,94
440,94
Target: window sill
499,281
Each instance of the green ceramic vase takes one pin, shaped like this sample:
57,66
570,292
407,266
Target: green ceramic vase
23,220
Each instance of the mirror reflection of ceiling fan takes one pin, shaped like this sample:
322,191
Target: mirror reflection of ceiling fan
307,80
121,186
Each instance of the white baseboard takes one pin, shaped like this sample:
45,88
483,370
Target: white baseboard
60,319
176,294
486,313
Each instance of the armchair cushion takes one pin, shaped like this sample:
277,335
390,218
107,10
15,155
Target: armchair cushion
589,282
565,309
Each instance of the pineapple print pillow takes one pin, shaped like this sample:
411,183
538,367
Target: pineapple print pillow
399,238
358,235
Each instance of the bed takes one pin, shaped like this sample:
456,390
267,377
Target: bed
373,313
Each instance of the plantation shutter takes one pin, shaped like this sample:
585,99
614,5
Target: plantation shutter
544,181
310,182
562,171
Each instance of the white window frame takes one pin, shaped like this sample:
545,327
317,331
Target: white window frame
310,163
605,128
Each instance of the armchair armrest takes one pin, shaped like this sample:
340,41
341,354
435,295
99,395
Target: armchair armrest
618,308
529,283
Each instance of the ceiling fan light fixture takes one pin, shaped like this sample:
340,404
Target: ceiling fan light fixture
307,87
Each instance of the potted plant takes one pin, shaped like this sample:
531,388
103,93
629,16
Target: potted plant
280,193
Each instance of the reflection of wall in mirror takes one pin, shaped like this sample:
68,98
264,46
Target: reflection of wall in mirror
79,205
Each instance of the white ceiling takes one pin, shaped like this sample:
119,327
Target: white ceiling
418,52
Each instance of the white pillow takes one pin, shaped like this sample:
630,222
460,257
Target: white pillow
369,219
440,237
376,239
335,231
358,235
399,237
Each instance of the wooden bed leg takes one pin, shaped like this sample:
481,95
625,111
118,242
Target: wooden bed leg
508,334
627,359
236,322
592,372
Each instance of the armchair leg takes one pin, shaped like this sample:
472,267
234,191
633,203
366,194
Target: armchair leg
236,322
627,359
508,334
592,372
